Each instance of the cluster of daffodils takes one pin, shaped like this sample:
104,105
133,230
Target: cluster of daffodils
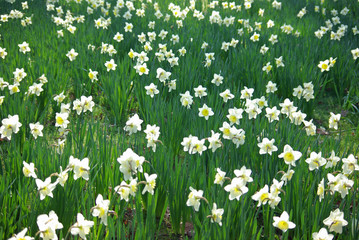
9,126
45,188
130,166
133,125
83,104
194,198
340,183
327,64
307,91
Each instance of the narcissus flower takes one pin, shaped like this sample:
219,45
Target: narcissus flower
24,47
236,189
334,120
72,54
205,112
151,90
61,120
93,75
283,222
320,190
48,224
214,141
45,188
324,65
322,235
267,146
336,221
133,124
217,214
186,99
200,91
110,65
141,69
194,198
130,163
220,177
101,209
289,155
36,129
150,183
29,170
21,236
262,196
315,161
10,125
82,169
81,227
226,95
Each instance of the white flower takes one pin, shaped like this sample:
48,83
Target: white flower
162,75
150,183
61,120
283,222
217,79
322,235
333,120
130,163
133,124
59,98
214,141
123,190
24,47
226,95
262,196
350,164
141,68
320,190
29,170
82,169
21,236
48,224
267,146
45,188
200,91
101,209
87,103
194,198
110,65
186,99
236,189
289,156
205,112
272,114
63,176
93,75
72,54
244,174
336,221
271,87
217,214
81,227
220,177
36,129
315,161
332,160
151,90
10,125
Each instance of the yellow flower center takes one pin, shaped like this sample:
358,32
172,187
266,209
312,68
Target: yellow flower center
288,157
205,112
283,225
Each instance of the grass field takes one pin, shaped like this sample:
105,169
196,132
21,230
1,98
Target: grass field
179,120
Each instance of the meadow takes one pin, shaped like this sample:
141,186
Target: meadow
181,119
